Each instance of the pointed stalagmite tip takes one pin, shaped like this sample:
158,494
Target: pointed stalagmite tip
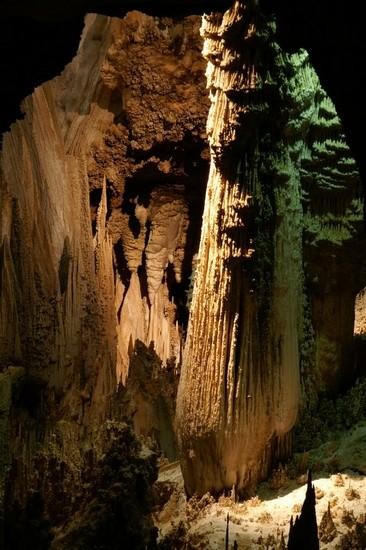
309,478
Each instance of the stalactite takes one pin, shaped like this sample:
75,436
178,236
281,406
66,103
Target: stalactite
161,241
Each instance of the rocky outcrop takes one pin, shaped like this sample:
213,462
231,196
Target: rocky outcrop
101,186
251,356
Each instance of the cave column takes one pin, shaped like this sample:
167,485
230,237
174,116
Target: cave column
239,390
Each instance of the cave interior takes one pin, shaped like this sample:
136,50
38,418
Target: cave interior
182,272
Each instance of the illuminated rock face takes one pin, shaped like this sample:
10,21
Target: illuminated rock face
360,314
250,334
97,184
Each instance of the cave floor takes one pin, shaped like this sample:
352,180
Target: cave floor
258,523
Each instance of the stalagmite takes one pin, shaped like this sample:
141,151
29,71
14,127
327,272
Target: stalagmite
239,389
248,337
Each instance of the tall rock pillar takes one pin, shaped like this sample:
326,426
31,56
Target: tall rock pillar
239,389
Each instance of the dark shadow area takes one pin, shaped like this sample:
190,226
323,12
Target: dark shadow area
122,268
46,10
32,52
178,294
333,34
64,265
141,272
112,507
33,44
28,395
27,527
149,398
360,355
94,196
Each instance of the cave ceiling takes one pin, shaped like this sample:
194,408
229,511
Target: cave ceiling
333,35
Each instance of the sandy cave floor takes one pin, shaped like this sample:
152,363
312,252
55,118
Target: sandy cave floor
267,514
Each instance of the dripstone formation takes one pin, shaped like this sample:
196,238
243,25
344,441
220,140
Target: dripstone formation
283,191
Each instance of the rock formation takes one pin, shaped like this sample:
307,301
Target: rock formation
283,189
327,529
101,194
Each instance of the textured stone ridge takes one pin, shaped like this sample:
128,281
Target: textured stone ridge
250,347
97,184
